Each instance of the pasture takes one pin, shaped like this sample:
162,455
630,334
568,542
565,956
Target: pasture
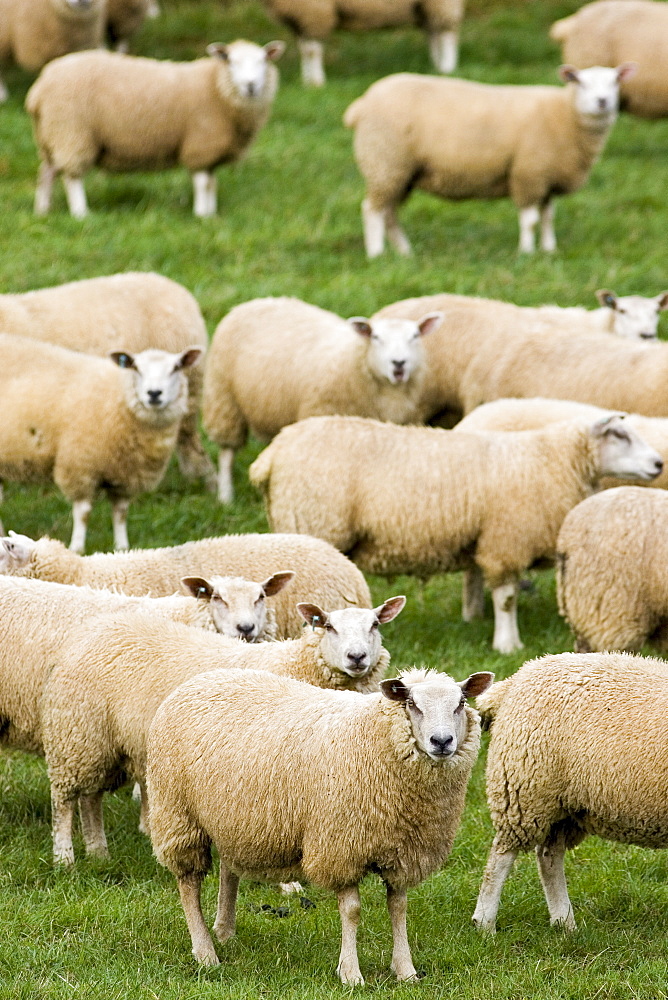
289,223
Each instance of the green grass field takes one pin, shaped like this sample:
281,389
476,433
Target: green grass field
289,224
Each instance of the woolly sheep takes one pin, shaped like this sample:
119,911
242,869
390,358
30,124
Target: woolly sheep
633,316
125,18
111,677
32,32
577,748
128,113
314,20
525,142
130,312
238,607
488,503
608,31
322,575
611,569
56,404
289,782
362,367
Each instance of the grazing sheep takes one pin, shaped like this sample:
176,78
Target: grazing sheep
111,677
292,782
612,584
32,32
314,20
130,312
578,748
488,503
321,574
125,18
609,31
128,113
80,422
526,142
360,367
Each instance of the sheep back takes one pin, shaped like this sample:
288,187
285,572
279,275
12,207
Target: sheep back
32,32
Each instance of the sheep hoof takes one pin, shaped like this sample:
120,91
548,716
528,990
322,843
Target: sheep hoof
409,975
223,932
566,923
206,956
63,856
484,926
98,851
353,977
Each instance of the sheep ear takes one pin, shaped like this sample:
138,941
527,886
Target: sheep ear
662,301
430,322
568,74
395,690
626,70
198,587
606,298
188,358
361,325
18,549
604,425
313,615
274,50
390,609
218,51
123,359
275,584
477,683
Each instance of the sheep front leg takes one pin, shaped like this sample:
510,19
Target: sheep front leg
443,49
80,513
313,71
528,220
373,222
225,924
506,631
497,870
44,190
348,968
92,825
473,594
62,816
402,962
76,196
205,194
548,240
189,891
119,520
550,861
225,487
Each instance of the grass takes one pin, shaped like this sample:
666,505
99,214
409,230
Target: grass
289,224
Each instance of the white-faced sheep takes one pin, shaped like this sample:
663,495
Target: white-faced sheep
424,500
129,312
128,113
612,583
635,317
321,574
290,782
528,143
125,18
238,606
32,32
80,422
609,31
313,21
111,676
578,748
360,367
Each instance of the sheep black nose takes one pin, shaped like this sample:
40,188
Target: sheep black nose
357,658
154,396
658,465
441,744
602,103
245,629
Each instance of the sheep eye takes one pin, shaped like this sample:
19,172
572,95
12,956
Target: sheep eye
329,627
375,625
460,705
218,598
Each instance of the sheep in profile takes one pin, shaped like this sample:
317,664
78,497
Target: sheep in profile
292,782
524,142
361,367
635,317
128,113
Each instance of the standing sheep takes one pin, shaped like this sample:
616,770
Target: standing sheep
526,142
255,379
112,675
423,500
130,312
82,423
291,782
609,31
314,20
321,574
578,748
128,113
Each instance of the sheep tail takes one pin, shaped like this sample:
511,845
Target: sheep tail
488,704
560,30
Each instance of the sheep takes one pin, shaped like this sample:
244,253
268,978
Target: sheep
56,402
322,574
526,142
32,32
124,18
491,504
577,748
111,677
132,311
356,784
605,32
238,606
313,21
370,369
633,316
124,113
611,577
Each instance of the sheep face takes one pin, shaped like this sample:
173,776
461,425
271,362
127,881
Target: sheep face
247,65
15,552
434,704
394,345
238,607
597,90
351,642
635,316
156,389
622,452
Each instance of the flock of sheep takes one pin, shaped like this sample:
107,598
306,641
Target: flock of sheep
272,651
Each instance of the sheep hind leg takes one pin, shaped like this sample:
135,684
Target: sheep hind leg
225,486
528,220
473,594
189,891
395,234
205,201
119,519
44,190
550,861
76,196
548,240
402,962
92,825
373,222
348,968
4,93
443,49
80,513
225,924
497,870
506,631
313,71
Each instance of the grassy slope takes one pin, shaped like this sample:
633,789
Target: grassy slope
289,223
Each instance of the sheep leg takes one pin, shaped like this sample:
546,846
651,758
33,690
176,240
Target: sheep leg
140,789
225,487
189,891
395,233
92,825
528,220
4,93
119,520
225,924
473,594
550,861
497,870
62,816
348,968
45,178
80,513
506,632
204,191
76,196
548,240
402,962
443,50
373,221
313,71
